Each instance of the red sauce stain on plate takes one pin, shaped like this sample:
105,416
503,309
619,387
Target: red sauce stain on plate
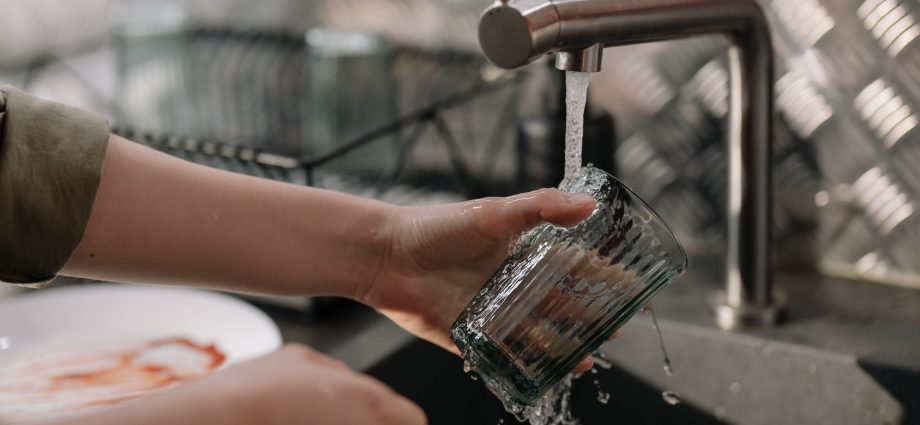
49,385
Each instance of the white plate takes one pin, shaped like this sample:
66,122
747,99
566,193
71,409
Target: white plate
80,318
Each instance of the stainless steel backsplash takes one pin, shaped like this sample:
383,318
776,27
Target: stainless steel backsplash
847,151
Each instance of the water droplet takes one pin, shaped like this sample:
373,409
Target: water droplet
5,343
467,367
602,396
594,371
516,245
474,376
601,361
767,350
719,412
735,387
501,421
813,368
671,397
667,367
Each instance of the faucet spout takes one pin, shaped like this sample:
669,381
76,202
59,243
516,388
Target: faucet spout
513,33
581,60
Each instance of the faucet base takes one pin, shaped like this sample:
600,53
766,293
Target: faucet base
734,317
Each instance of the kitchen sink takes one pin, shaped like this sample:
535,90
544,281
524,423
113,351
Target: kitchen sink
434,378
848,354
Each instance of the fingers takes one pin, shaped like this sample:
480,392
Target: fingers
302,351
393,409
584,365
588,362
515,214
372,401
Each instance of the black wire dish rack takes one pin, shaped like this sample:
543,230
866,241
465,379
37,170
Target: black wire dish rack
235,100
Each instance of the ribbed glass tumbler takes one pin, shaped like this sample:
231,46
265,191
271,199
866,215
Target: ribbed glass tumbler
563,291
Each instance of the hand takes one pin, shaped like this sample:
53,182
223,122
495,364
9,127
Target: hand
293,386
442,254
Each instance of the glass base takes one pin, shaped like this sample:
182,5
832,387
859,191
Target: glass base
496,369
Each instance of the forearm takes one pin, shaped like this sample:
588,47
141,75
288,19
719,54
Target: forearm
158,219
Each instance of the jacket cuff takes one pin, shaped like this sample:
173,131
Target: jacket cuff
50,166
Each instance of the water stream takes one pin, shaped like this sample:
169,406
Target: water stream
576,93
554,408
664,351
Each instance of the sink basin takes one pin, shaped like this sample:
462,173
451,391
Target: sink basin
434,379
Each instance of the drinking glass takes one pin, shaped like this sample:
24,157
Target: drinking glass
563,291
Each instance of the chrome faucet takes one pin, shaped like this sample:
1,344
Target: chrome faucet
513,33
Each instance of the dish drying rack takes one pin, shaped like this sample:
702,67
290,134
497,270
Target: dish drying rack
456,126
453,130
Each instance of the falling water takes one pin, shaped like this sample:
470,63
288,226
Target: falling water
664,351
576,92
554,408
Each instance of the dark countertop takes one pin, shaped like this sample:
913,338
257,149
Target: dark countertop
873,322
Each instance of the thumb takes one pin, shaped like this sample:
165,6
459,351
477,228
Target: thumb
512,215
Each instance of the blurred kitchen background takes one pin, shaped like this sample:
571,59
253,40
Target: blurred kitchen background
392,99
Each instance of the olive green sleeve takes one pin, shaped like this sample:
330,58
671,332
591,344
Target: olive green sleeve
50,166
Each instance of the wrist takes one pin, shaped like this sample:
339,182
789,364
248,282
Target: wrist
373,243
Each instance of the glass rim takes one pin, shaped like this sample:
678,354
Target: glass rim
656,218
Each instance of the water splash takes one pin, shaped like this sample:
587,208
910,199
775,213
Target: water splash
735,387
576,93
601,361
671,397
554,408
602,396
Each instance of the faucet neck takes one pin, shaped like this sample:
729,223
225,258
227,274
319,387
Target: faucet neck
515,32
